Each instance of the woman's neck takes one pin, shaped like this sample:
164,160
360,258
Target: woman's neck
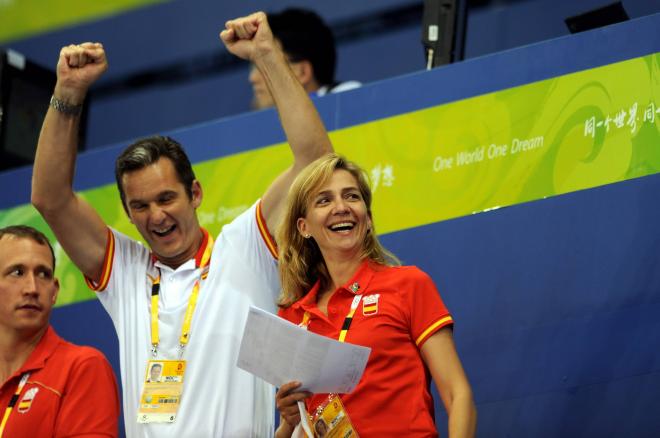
340,270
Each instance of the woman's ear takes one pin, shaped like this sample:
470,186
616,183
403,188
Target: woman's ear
301,224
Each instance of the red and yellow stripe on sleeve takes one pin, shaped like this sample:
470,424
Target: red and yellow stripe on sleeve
107,265
437,325
265,234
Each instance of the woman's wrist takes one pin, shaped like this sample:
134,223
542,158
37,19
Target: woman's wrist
285,430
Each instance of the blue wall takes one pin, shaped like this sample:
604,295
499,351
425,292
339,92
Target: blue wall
556,301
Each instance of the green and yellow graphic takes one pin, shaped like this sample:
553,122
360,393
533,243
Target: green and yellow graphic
21,19
569,133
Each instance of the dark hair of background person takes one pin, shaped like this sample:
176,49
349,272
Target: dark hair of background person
305,36
148,151
27,232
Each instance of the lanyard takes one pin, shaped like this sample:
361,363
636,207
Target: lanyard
12,401
342,337
202,263
347,320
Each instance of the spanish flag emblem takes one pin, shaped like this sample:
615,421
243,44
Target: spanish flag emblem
370,305
26,402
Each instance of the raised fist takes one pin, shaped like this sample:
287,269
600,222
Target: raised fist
249,37
78,68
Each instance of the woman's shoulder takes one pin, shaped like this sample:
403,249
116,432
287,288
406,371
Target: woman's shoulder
407,273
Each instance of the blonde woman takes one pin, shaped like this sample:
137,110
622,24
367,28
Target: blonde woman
338,281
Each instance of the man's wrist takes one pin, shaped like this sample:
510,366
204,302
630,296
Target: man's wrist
269,58
65,107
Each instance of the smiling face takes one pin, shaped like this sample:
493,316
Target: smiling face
163,213
337,218
28,288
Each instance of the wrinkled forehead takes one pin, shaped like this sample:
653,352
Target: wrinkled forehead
339,177
19,250
151,179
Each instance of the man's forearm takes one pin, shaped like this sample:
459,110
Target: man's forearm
54,162
302,124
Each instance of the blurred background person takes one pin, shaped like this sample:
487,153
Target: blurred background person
309,46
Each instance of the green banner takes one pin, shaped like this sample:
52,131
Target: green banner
569,133
21,19
572,132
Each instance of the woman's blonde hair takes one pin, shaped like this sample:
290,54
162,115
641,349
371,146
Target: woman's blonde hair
301,263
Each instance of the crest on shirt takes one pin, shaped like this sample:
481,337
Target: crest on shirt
370,304
26,402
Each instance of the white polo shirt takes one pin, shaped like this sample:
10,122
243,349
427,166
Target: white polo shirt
219,399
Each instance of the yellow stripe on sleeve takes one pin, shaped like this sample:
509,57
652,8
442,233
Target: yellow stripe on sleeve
432,328
265,234
107,265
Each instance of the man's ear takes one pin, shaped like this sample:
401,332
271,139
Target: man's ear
57,290
305,74
197,194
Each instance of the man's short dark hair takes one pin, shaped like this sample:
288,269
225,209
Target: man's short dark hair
27,232
304,36
148,151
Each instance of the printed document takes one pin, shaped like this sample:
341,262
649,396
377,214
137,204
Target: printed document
279,352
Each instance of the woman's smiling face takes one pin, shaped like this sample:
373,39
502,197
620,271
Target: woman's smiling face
337,217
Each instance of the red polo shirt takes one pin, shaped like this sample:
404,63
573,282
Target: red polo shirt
71,391
400,309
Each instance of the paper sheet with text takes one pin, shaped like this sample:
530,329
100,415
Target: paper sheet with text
279,352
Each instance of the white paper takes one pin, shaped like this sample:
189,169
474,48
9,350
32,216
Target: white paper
280,352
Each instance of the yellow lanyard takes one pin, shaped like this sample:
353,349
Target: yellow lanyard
12,402
347,321
342,337
203,263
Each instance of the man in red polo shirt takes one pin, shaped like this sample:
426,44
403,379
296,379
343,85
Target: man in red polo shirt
50,388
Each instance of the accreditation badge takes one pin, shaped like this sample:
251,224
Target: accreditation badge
331,420
161,396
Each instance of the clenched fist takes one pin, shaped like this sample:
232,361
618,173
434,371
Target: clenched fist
79,66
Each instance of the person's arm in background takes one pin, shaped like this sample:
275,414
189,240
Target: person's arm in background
250,38
439,354
77,226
